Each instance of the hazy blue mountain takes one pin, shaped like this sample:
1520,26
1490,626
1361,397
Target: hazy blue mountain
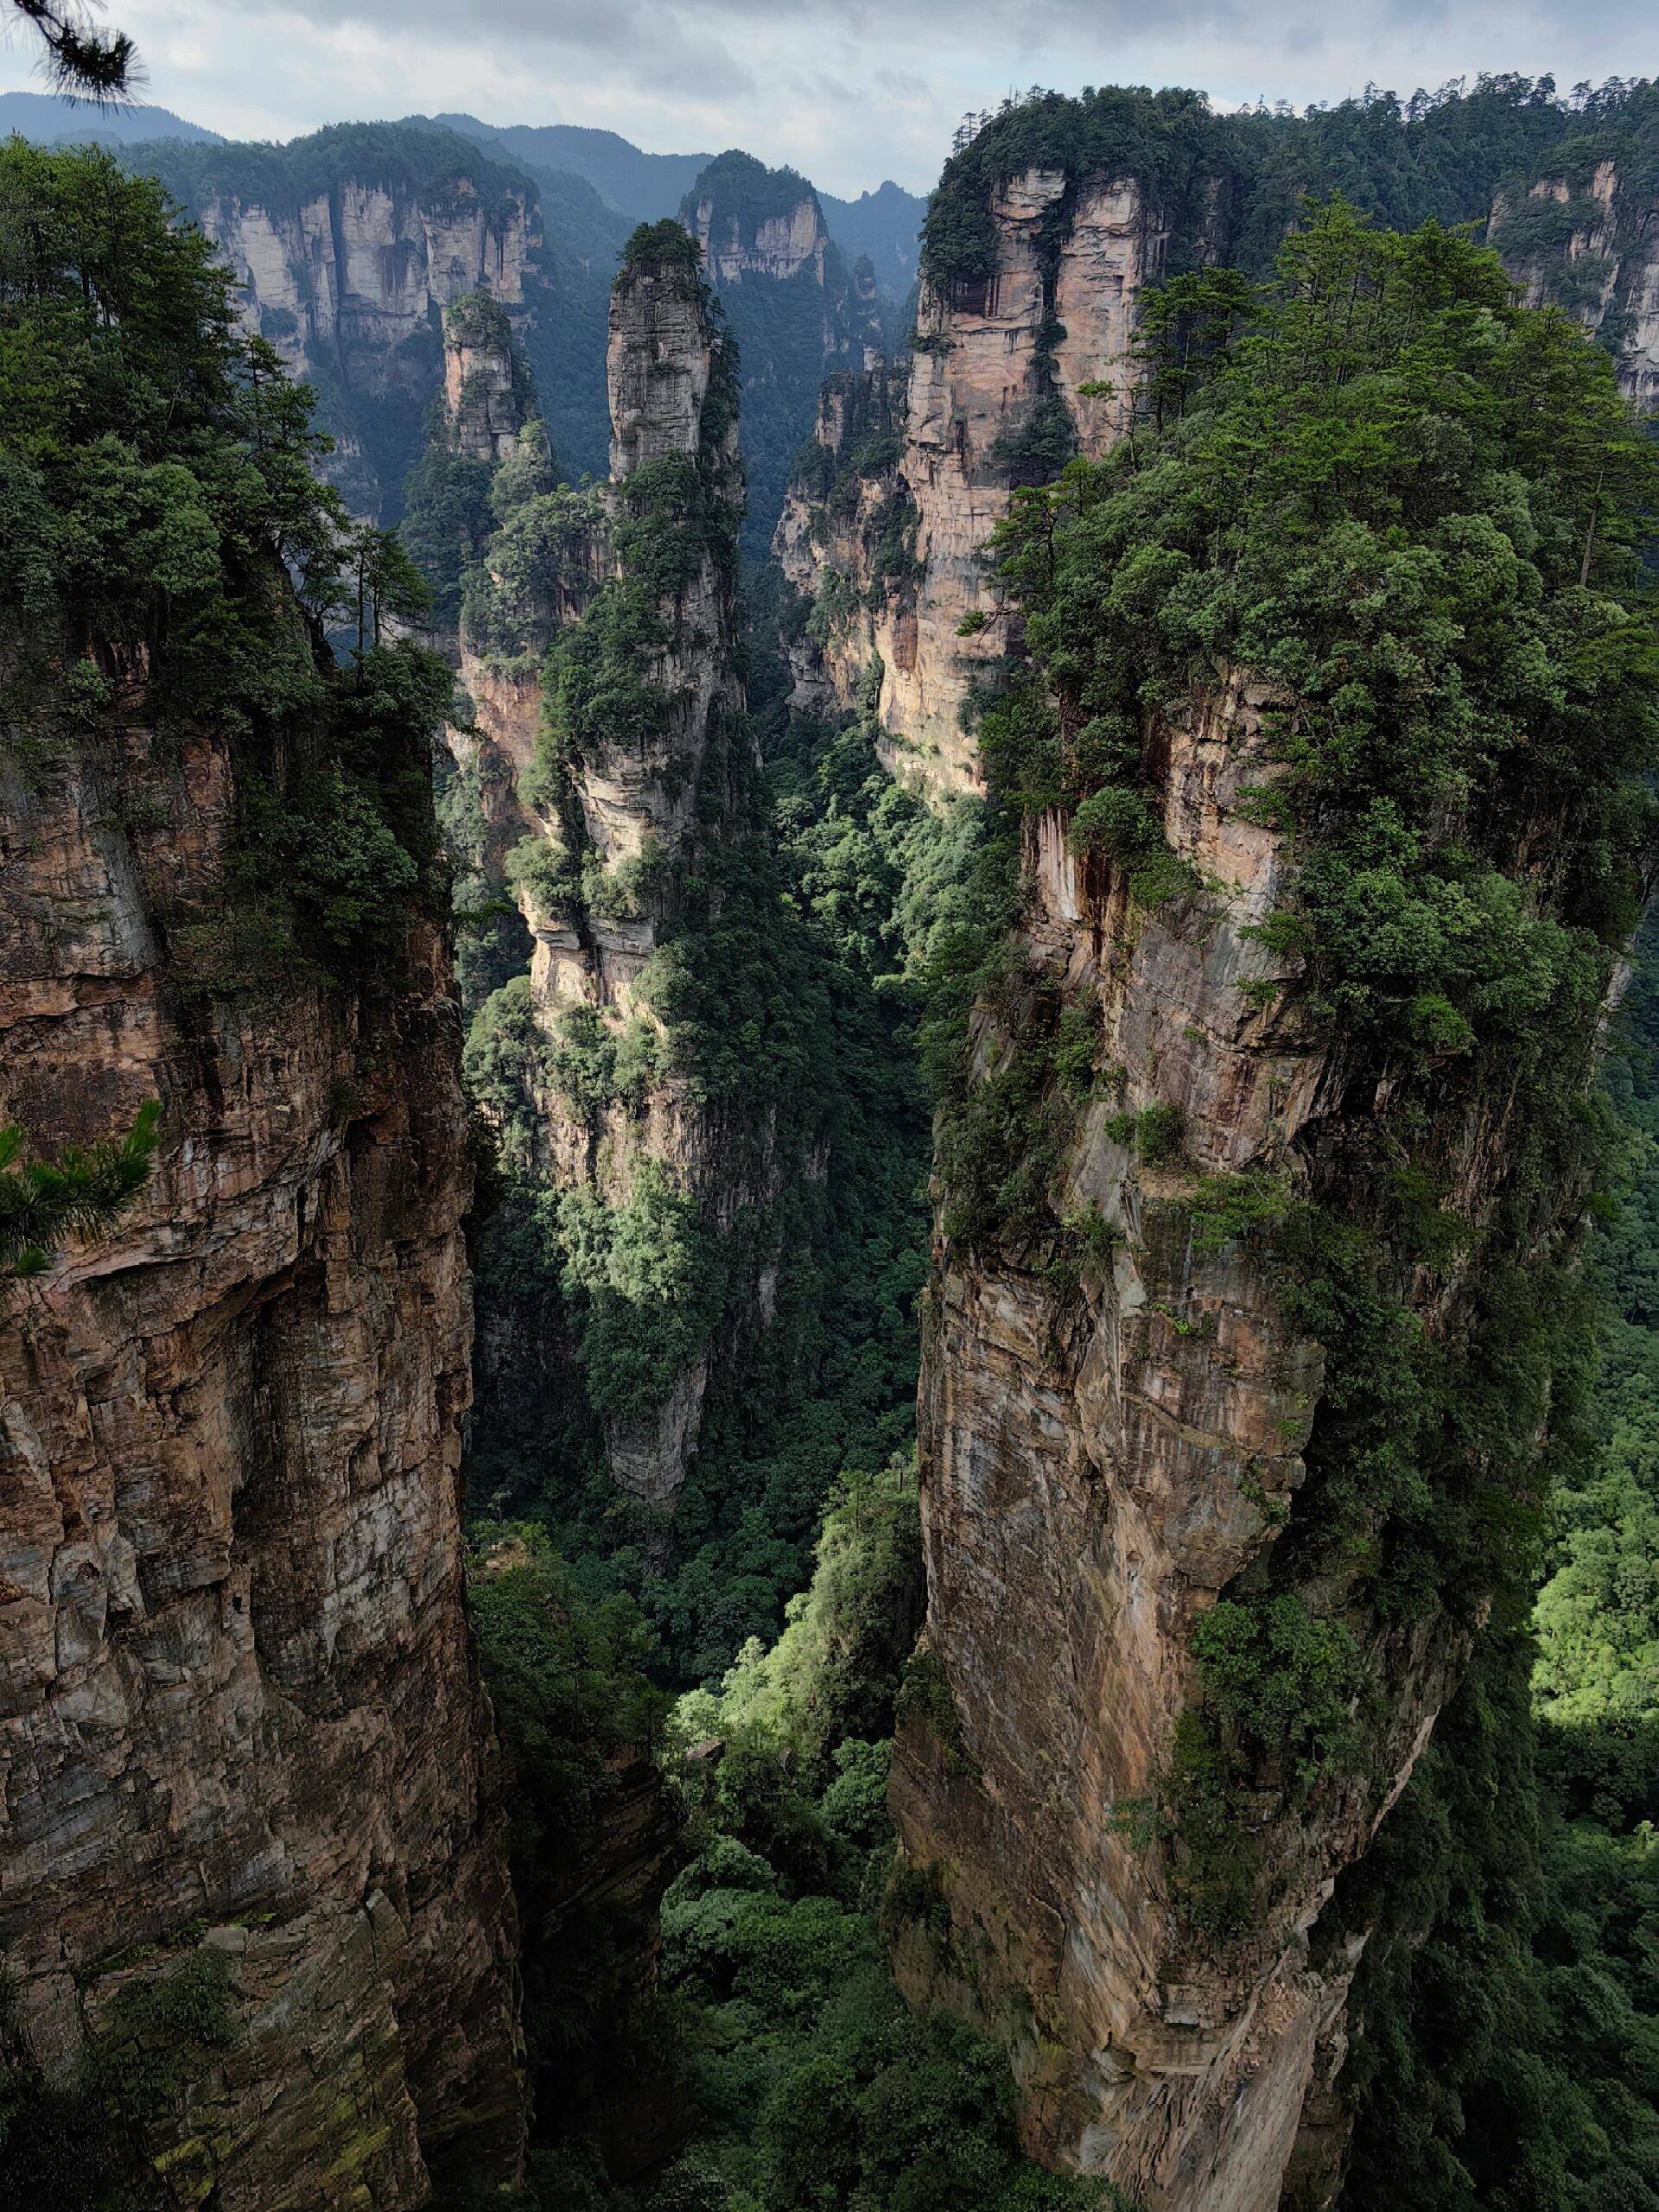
638,184
50,120
886,224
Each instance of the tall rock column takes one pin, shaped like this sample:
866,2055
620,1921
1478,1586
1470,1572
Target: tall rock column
1008,374
636,768
1106,1440
1258,1203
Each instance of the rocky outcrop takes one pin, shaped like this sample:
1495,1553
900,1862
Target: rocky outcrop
485,384
846,542
636,802
790,242
617,810
794,304
242,1723
1107,1441
1589,244
987,372
346,250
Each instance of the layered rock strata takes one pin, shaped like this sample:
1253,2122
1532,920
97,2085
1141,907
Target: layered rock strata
1590,245
1103,1449
349,284
242,1725
614,815
795,305
984,360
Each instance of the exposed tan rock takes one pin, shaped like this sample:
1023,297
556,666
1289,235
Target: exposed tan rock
1606,272
781,245
483,387
976,371
1096,1466
358,278
238,1703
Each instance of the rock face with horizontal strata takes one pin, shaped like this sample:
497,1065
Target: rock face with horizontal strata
239,1704
1101,1454
977,369
1603,271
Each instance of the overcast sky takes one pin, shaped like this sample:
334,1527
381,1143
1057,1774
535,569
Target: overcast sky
849,90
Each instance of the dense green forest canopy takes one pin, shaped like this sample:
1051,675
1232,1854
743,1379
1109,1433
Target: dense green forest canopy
156,482
1442,156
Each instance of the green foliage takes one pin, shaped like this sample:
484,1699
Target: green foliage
781,324
579,1723
817,2089
1506,2044
665,245
829,1678
537,564
645,1281
447,516
1597,1615
503,1053
1354,502
1362,514
83,1191
159,480
1228,1209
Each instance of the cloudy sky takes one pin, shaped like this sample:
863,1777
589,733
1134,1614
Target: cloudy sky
849,90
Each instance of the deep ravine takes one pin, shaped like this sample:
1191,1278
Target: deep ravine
862,1420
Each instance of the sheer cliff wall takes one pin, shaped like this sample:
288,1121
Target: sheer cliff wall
243,1730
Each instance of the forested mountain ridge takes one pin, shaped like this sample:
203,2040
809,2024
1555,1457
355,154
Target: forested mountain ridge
1074,243
884,223
49,119
1044,234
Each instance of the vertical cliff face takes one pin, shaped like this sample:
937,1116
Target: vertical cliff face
1190,1621
1100,1458
258,1938
244,1734
1109,1443
1588,243
485,395
846,539
627,761
347,247
793,303
350,288
1008,373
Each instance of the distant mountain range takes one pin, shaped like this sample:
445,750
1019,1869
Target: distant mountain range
51,120
883,224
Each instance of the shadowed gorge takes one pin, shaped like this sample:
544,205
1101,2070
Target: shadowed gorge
827,1165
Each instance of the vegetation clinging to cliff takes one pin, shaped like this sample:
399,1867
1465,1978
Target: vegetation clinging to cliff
1410,511
158,490
1439,156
